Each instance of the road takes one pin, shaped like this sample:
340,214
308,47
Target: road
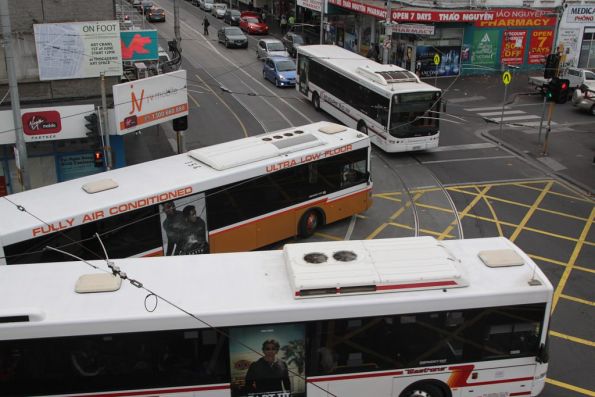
471,186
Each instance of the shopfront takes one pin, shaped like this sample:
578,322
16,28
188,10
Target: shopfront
467,41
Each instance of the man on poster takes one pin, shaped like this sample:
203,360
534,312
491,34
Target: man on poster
268,376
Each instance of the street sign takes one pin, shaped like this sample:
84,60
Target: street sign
387,43
436,59
506,77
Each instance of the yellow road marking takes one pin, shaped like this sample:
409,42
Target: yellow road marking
494,215
576,251
577,300
245,131
462,214
376,231
194,100
557,193
572,338
567,386
385,197
328,236
394,216
560,263
426,231
529,213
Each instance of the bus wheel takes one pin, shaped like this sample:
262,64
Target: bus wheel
423,390
362,127
316,101
309,223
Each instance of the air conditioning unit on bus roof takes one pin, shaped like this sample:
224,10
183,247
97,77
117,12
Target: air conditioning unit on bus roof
370,266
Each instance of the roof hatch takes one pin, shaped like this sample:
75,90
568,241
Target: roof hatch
388,76
370,266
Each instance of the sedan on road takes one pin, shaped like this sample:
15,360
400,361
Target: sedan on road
280,71
270,48
232,36
253,25
292,41
155,14
232,17
219,10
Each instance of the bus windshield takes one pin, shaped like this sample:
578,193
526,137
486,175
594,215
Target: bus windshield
415,114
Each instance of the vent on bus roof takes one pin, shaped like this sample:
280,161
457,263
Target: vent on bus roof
100,282
386,77
100,186
501,258
371,266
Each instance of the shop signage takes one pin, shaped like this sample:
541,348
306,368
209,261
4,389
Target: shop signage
151,101
513,47
314,5
77,50
505,17
139,45
485,47
414,29
540,45
46,124
580,14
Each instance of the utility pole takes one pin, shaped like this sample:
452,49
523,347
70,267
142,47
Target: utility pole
388,32
322,2
107,150
177,25
21,147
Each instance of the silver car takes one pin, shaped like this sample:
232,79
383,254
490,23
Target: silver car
584,97
218,10
270,48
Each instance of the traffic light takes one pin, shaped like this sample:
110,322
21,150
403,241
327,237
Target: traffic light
559,90
92,124
181,123
551,66
98,158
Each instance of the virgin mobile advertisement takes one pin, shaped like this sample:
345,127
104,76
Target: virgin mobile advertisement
267,361
450,59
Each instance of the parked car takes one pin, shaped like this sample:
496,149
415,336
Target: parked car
253,25
279,70
292,41
206,5
250,14
146,6
269,48
232,17
218,10
196,3
232,36
584,97
155,14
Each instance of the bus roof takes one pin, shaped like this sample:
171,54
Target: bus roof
387,78
39,300
66,204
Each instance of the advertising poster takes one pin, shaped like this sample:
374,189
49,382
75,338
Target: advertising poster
267,361
485,47
540,46
568,40
154,100
184,226
450,57
513,47
78,50
139,45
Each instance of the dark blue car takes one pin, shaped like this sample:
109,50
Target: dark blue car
279,70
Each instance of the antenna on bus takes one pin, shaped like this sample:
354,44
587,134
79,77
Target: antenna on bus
533,281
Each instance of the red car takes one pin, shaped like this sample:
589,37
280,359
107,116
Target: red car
253,25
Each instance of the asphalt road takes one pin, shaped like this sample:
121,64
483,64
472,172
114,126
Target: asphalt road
469,187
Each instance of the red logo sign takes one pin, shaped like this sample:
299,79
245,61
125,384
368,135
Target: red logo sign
40,123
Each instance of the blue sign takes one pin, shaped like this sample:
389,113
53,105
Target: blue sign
139,45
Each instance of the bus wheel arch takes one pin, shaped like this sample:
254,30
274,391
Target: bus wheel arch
310,221
362,127
316,101
427,388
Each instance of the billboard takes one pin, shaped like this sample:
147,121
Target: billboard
513,47
485,47
142,103
449,61
540,46
78,50
139,45
46,124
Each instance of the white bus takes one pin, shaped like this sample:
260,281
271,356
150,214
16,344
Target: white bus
406,317
398,110
235,196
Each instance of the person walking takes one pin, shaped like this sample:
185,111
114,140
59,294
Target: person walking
283,24
205,24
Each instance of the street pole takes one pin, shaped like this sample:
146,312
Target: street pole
21,147
322,2
388,32
541,120
502,114
107,150
177,25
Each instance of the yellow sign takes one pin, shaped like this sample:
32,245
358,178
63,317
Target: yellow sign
436,59
506,77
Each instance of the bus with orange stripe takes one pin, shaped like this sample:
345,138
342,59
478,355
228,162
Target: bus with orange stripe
406,317
234,196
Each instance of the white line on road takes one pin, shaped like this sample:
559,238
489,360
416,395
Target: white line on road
465,99
500,113
470,146
484,109
513,118
468,159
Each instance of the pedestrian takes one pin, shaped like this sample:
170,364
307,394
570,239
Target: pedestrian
291,22
283,24
264,16
372,51
205,24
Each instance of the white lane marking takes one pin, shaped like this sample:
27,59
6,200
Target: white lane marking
500,113
484,109
513,118
536,123
468,159
465,99
470,146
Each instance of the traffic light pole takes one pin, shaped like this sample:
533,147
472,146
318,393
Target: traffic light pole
388,32
107,150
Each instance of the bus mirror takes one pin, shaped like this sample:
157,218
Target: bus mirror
543,355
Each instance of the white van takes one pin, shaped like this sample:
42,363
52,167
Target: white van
206,5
